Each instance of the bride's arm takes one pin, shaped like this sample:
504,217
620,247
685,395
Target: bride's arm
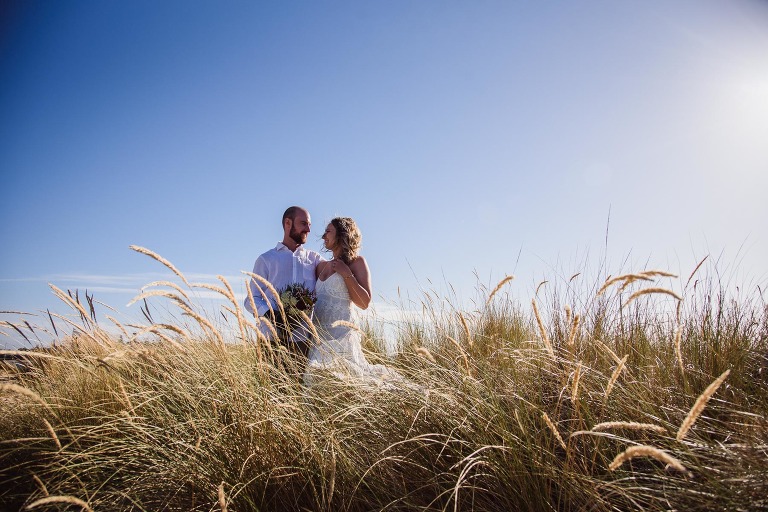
357,277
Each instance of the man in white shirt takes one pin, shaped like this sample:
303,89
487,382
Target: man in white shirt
288,263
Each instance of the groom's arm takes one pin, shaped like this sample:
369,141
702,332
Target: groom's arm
262,307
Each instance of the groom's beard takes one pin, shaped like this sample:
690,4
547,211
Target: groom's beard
297,237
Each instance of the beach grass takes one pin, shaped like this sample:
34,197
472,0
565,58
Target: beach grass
603,397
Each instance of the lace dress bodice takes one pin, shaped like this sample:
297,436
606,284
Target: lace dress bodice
333,303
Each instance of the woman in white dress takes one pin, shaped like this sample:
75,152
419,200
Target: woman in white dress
342,282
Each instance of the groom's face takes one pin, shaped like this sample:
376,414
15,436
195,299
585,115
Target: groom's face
299,228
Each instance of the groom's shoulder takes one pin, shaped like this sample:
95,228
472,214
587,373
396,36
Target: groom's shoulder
314,256
270,252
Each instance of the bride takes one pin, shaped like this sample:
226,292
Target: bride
341,282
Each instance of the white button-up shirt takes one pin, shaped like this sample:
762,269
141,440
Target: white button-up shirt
281,267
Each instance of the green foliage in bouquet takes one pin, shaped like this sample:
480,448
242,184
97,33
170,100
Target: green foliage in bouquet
297,301
297,297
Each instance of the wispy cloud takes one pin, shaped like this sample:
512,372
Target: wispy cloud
120,283
90,279
109,289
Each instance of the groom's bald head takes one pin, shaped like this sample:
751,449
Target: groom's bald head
291,212
296,226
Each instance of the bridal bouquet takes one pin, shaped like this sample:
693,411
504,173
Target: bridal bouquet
297,297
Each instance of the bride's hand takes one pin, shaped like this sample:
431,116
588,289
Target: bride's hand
341,268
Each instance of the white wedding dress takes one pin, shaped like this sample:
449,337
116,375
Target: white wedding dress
338,349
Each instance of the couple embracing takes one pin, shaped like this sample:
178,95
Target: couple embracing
339,284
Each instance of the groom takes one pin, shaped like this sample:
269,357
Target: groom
288,263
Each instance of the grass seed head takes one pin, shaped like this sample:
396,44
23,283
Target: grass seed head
461,351
698,406
542,330
647,291
160,259
497,288
466,329
628,425
575,388
626,280
554,430
615,375
426,354
678,350
71,500
647,451
574,330
52,432
222,498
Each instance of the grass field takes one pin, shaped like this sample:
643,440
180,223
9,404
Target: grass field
639,392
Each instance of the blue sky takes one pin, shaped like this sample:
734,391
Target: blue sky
470,140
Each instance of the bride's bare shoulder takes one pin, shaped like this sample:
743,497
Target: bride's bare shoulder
359,263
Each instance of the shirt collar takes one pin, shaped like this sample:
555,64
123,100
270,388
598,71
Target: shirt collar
282,247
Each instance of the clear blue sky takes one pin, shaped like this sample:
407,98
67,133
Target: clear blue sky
487,137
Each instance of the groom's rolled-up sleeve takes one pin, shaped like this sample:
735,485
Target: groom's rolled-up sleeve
259,268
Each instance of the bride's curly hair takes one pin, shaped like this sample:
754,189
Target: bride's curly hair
348,237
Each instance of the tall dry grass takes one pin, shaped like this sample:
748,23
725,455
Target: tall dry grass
507,408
